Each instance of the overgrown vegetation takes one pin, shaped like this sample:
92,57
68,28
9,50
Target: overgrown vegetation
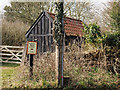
112,40
115,16
93,34
13,33
95,65
85,69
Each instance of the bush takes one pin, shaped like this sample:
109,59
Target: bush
112,40
13,33
92,34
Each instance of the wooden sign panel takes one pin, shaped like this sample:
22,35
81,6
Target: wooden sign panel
31,47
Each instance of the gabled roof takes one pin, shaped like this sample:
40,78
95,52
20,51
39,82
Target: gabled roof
37,20
72,27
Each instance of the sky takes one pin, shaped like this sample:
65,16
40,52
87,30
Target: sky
3,3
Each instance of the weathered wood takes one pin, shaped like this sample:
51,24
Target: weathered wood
38,44
10,62
59,65
31,66
47,32
43,22
9,58
11,53
2,46
41,27
38,19
5,54
24,54
48,26
12,50
41,35
48,16
40,41
36,32
48,43
56,62
45,28
41,44
38,28
59,38
44,45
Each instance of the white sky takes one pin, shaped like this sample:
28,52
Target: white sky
3,3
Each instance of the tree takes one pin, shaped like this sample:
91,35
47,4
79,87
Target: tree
111,16
27,12
82,10
59,40
115,16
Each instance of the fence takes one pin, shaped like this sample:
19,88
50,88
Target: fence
11,54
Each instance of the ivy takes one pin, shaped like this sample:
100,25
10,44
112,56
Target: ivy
92,33
58,27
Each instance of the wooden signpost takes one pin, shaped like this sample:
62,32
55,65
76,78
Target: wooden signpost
31,50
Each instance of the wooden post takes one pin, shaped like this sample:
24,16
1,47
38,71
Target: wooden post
56,61
59,65
31,65
59,40
60,68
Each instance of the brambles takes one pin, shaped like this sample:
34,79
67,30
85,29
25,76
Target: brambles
85,69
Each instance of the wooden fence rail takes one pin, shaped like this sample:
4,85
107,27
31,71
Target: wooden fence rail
11,54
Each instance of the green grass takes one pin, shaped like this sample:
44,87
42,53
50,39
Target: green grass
8,72
9,65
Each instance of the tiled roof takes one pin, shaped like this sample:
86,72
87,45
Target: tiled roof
73,27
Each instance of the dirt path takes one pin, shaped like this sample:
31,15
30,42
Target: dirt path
7,67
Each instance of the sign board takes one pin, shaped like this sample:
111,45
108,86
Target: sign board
31,47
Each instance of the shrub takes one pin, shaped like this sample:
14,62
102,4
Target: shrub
112,40
13,33
92,34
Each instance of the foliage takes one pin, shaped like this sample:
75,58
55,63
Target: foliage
92,33
58,24
27,12
115,16
112,40
111,16
13,33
